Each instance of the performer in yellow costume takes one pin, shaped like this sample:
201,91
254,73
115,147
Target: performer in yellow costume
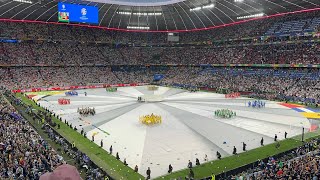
150,119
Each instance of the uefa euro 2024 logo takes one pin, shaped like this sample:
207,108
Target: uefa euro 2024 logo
83,11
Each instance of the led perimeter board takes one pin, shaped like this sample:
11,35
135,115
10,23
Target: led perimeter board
77,13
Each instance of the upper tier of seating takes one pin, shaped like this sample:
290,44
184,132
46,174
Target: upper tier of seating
294,22
81,54
296,26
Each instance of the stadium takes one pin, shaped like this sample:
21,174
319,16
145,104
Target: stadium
159,89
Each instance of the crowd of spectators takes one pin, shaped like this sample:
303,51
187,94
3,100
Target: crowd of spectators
297,84
82,54
303,163
31,77
294,84
81,160
54,45
23,153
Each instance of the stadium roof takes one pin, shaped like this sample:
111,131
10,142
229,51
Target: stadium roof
149,15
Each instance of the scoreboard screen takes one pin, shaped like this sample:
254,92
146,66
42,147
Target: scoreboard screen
77,13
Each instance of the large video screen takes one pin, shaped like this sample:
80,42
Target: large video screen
77,13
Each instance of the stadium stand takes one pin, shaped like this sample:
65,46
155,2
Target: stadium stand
82,34
299,164
287,52
289,84
24,154
297,26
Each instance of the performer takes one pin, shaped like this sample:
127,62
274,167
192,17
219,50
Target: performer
244,145
218,155
190,164
197,162
285,135
136,168
148,173
110,149
170,169
205,157
234,150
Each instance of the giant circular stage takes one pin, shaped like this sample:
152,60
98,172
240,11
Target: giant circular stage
188,129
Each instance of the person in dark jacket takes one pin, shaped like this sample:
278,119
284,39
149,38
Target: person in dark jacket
189,164
244,145
110,149
148,173
234,150
197,162
218,155
170,168
285,135
117,156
